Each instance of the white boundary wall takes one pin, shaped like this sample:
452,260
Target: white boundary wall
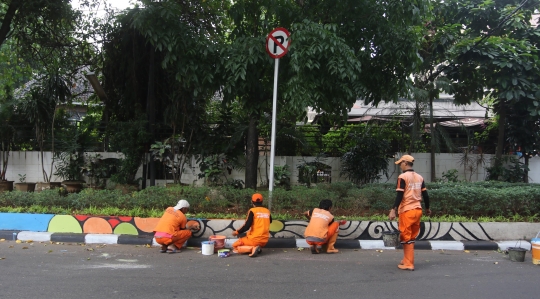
29,163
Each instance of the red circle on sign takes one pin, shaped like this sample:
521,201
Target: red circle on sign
279,41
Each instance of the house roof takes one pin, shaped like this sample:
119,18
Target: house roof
444,109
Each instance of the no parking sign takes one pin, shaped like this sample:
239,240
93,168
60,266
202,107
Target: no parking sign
277,42
277,45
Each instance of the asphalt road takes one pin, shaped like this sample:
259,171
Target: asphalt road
51,270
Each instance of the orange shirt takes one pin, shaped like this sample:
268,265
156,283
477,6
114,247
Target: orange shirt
412,193
171,222
260,228
318,224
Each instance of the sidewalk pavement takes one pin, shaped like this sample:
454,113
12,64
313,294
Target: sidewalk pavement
272,243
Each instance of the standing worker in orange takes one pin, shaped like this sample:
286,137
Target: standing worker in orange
322,230
173,227
410,191
258,223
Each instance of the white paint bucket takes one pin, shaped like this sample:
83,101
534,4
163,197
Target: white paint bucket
535,242
207,247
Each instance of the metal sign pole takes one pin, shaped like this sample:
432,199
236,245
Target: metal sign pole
273,138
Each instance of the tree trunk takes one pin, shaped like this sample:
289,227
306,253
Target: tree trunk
151,113
252,153
415,128
526,170
432,133
8,19
500,139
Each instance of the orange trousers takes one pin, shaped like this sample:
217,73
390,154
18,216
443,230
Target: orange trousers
244,241
332,229
178,240
409,225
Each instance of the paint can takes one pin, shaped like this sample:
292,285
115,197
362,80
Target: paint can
390,238
219,242
535,242
224,253
207,248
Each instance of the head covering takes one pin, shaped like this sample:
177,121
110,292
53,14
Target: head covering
257,197
406,158
182,203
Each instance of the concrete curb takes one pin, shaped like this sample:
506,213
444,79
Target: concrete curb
272,243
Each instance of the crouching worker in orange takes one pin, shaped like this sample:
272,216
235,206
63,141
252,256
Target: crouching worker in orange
173,228
322,229
258,223
410,191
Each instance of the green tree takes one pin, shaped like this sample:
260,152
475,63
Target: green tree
34,21
363,163
495,54
523,131
340,52
160,61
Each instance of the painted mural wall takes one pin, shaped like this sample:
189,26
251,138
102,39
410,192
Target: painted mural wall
352,230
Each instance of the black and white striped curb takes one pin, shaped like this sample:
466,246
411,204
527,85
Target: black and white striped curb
272,243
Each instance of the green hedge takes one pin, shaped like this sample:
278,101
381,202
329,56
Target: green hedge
489,199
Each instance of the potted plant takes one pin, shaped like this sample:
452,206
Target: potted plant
97,170
282,176
70,169
173,155
24,186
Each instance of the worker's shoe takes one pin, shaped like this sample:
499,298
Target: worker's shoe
333,250
314,249
173,249
255,251
403,267
408,257
163,248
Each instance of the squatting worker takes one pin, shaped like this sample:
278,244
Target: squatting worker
172,228
258,223
410,190
321,229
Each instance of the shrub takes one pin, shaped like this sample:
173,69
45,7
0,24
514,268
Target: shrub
468,200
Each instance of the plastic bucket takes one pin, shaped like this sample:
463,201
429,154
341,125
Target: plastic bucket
224,253
535,242
516,254
218,240
390,238
207,248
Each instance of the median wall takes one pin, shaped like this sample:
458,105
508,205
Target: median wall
279,229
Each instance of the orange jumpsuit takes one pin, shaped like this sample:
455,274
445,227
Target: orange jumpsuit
410,210
321,227
410,190
258,223
171,228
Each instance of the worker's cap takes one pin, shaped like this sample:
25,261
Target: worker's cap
182,203
257,197
406,158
